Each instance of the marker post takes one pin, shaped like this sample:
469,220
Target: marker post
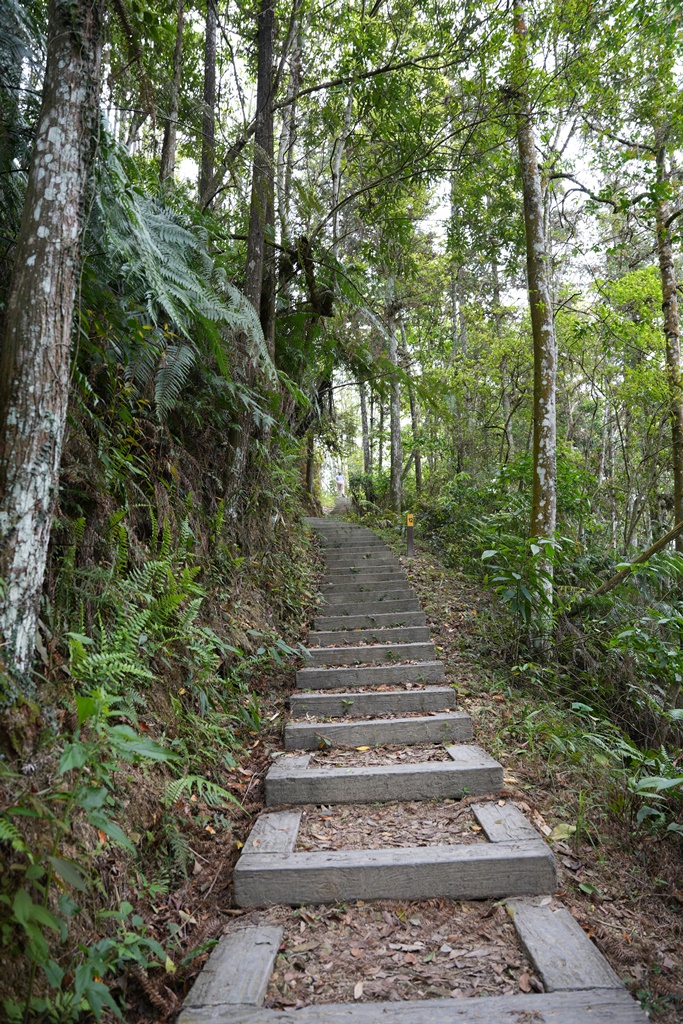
410,521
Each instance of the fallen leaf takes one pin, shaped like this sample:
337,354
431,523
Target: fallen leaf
524,982
356,952
362,748
562,830
358,990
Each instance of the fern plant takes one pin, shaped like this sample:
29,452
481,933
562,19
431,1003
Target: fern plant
207,791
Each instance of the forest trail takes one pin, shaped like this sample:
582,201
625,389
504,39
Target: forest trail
372,685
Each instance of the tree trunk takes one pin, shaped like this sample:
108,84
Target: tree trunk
168,149
36,350
544,499
209,109
262,208
287,139
672,335
367,455
396,455
415,421
380,440
336,165
310,463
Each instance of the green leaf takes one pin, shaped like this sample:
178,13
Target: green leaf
75,755
86,707
69,873
111,829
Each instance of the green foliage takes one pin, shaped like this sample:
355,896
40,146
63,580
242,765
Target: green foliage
42,896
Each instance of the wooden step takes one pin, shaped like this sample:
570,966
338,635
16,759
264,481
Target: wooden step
369,675
447,727
390,702
489,870
366,604
370,654
397,635
562,953
361,582
469,770
323,623
597,1006
366,569
354,560
389,592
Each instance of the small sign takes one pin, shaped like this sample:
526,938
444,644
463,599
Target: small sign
410,520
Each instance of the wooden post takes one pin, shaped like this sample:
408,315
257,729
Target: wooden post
410,522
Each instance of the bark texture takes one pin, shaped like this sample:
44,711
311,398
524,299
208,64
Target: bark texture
209,114
672,335
35,359
168,149
396,454
259,284
367,453
544,500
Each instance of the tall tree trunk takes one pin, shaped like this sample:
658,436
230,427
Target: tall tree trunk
168,149
415,421
310,463
380,440
36,349
287,140
508,438
544,499
367,454
262,208
336,165
396,455
209,108
672,335
416,455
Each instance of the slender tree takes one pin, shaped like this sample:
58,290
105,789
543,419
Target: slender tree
168,149
209,105
544,497
260,269
36,349
672,325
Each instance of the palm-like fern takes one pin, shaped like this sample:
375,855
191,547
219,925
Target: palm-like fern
178,303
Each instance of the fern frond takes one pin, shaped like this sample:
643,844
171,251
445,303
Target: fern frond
210,792
9,833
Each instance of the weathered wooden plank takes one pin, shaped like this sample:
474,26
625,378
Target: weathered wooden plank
344,571
440,728
288,763
370,675
480,871
364,590
238,970
274,833
393,580
470,771
381,621
372,653
504,824
392,702
376,635
600,1007
563,955
367,557
354,604
392,593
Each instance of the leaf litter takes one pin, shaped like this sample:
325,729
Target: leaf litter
359,827
363,756
394,951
